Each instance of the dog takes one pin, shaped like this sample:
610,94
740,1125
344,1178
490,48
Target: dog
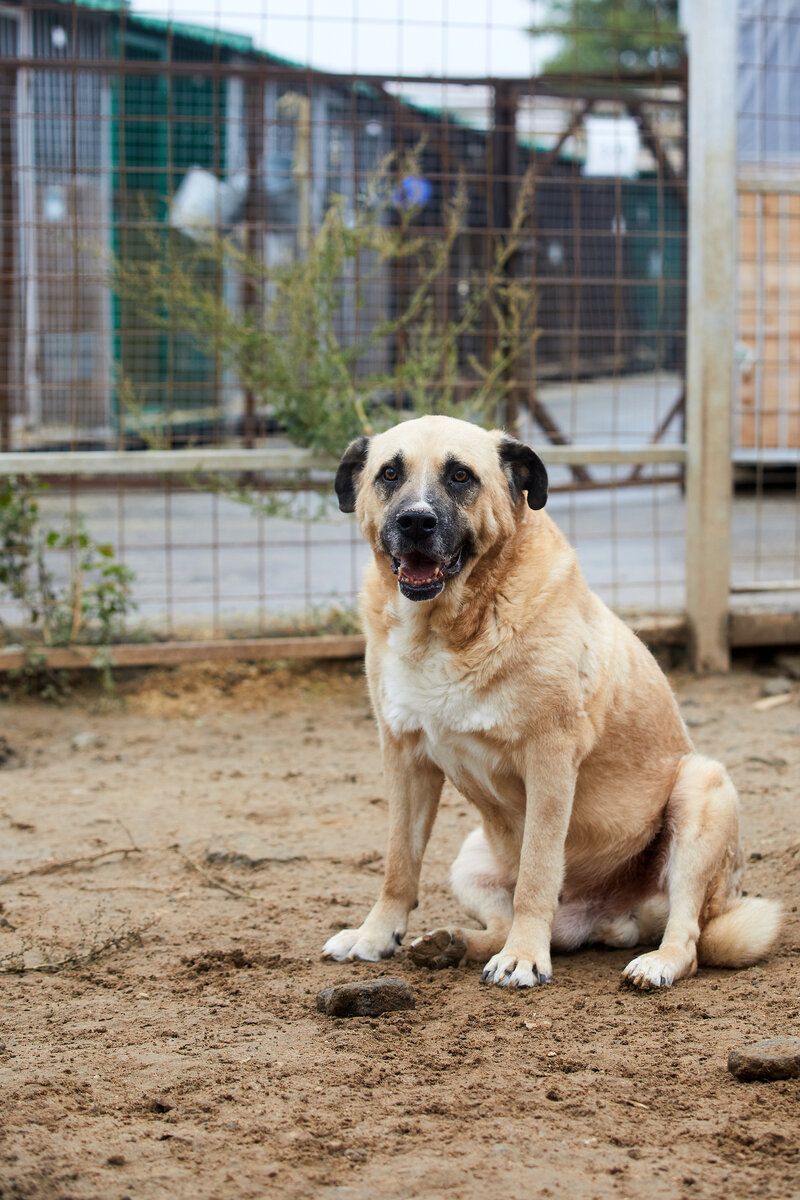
491,663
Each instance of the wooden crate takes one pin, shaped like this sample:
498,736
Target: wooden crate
769,320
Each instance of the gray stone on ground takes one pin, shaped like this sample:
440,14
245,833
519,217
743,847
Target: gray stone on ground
789,664
82,741
774,1058
367,997
9,759
779,686
248,850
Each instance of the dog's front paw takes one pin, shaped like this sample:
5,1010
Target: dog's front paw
440,948
658,969
355,943
509,971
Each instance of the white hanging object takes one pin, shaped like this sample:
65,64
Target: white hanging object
203,204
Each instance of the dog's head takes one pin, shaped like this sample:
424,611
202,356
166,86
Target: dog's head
434,495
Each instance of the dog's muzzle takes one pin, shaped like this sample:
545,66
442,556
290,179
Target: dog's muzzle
423,578
420,542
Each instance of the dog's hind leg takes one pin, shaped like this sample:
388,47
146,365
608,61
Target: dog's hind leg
479,885
703,878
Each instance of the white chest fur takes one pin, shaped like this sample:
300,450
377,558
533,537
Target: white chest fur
431,694
428,694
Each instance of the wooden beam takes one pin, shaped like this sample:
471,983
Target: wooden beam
768,185
653,628
764,628
173,653
710,328
273,460
8,253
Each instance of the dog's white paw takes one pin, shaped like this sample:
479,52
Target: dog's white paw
651,970
508,971
354,943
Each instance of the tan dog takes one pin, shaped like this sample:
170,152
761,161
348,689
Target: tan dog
491,662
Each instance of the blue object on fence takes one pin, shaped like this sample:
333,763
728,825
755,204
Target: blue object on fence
412,192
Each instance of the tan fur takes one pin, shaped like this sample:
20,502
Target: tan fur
546,712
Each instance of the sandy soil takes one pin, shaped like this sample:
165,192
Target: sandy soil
187,1058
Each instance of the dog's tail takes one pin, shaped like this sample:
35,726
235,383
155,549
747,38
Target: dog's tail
742,935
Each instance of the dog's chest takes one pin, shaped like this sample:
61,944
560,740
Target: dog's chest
427,694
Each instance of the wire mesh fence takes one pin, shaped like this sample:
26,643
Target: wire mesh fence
167,176
766,557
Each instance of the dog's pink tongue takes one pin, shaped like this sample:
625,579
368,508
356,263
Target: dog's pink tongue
416,568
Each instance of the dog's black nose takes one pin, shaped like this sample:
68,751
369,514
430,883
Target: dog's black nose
417,522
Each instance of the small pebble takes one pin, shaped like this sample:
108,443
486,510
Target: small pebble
779,686
82,741
774,1058
367,998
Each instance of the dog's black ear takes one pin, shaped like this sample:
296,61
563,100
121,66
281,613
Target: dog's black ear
524,471
347,474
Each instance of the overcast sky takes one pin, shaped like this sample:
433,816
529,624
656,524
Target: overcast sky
409,37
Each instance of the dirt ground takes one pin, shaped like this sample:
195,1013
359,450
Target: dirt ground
177,1051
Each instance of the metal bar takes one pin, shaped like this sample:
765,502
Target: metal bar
653,143
212,461
548,161
555,434
600,87
663,426
710,331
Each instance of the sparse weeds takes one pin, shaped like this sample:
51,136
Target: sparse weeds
44,954
88,607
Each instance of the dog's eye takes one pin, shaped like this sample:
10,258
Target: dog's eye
389,474
460,475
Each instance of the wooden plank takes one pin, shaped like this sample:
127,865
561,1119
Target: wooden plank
750,586
652,628
172,653
109,463
711,324
759,185
764,628
163,462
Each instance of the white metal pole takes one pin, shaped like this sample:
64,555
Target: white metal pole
710,326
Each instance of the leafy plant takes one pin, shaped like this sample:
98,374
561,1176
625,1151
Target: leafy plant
287,347
604,36
88,608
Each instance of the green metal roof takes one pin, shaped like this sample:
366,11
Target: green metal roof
199,33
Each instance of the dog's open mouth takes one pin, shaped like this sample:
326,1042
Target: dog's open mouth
422,578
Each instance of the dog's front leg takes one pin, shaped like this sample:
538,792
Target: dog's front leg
414,787
524,961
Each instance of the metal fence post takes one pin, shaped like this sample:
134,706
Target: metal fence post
710,326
